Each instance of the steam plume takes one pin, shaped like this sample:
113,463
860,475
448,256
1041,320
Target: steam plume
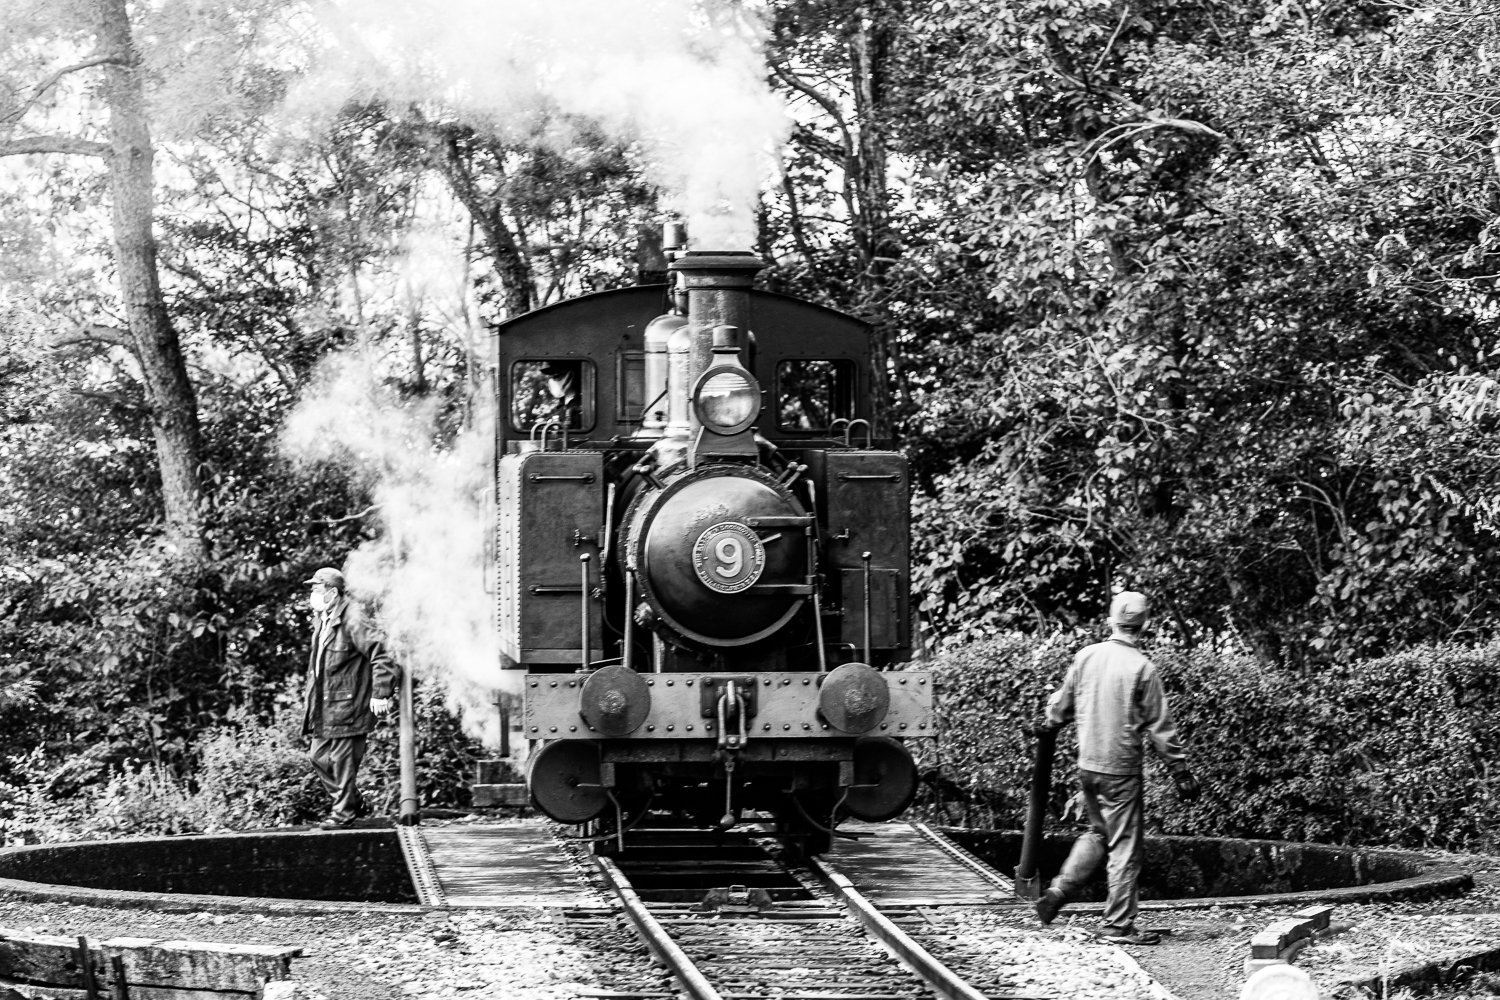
426,570
682,77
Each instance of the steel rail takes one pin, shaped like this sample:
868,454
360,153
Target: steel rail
919,959
419,865
963,857
656,936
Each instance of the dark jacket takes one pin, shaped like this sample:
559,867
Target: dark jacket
346,667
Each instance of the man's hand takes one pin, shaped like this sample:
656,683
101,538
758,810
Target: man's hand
1188,788
380,706
1043,727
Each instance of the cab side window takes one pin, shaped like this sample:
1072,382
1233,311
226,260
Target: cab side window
812,393
544,391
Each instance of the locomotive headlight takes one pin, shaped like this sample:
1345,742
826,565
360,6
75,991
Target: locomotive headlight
726,399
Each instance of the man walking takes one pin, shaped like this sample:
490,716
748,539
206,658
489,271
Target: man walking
349,682
1116,696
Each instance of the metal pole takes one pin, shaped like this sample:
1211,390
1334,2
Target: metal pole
503,704
866,557
627,643
583,562
1028,883
406,720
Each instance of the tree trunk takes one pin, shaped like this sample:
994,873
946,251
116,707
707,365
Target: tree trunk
869,50
510,263
174,406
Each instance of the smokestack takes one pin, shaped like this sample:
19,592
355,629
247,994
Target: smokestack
718,286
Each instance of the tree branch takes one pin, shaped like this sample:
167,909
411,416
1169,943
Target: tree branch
41,89
817,97
53,144
119,399
93,333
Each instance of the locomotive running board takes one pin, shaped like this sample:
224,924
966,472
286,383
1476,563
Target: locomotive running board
419,864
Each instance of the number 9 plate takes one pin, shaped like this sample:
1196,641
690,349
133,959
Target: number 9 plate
729,557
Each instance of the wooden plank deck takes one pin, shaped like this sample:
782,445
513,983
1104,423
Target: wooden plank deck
896,864
476,865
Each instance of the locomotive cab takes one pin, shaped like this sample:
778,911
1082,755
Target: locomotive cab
706,584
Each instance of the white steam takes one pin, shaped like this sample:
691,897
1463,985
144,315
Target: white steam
427,569
683,78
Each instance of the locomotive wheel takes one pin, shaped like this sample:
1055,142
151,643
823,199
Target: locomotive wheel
885,780
564,780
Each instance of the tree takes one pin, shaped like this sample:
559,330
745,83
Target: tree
103,30
1215,239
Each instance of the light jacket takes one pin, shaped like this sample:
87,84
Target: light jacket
347,666
1116,695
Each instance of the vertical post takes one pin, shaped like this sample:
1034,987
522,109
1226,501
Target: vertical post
86,967
503,705
122,988
583,562
627,642
1028,883
406,718
866,557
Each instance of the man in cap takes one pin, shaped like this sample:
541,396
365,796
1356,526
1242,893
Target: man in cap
1115,694
350,679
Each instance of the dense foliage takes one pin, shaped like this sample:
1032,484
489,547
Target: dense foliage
1198,299
1396,750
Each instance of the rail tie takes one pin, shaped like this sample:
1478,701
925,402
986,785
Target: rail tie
938,976
656,936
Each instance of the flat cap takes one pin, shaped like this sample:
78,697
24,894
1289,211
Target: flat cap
1129,610
327,575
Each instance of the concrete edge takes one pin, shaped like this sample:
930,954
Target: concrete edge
186,902
1446,968
1158,990
1452,883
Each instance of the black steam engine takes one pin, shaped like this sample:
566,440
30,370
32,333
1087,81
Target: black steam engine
703,560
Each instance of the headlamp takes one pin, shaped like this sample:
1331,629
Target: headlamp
726,399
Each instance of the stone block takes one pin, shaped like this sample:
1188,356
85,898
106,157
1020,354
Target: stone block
182,965
488,796
1270,942
1317,917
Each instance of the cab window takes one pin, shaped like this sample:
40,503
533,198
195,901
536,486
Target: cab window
556,389
811,394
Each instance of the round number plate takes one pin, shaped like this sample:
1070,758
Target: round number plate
729,557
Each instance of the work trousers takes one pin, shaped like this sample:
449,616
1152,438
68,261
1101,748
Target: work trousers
337,762
1115,804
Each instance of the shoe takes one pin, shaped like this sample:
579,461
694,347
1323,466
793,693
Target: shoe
1132,936
1047,905
334,823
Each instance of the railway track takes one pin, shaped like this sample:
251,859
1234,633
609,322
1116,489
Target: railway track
817,937
901,914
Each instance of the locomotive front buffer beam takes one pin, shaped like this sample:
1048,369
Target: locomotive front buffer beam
673,707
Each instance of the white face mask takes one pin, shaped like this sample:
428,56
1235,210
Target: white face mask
321,600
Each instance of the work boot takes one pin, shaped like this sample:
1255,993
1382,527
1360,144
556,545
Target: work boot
1048,903
1129,936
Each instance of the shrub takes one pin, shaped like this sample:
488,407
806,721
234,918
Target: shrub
254,775
1387,751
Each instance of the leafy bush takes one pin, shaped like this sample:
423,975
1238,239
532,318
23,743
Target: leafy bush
1387,751
250,773
253,775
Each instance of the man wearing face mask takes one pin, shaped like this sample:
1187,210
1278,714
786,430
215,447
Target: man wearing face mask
350,679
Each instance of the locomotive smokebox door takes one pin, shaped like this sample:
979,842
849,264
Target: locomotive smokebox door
551,512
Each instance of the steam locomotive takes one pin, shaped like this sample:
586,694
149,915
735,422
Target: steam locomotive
702,560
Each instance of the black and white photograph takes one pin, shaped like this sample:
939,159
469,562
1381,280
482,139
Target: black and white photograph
749,499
